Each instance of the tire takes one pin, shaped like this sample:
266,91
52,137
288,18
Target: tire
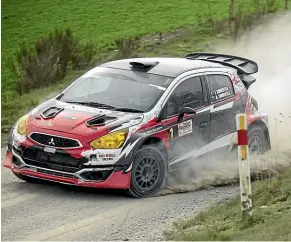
257,141
28,178
148,172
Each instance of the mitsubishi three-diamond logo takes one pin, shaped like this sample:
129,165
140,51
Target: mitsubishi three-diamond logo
52,142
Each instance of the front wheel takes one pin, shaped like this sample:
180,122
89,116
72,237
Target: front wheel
148,172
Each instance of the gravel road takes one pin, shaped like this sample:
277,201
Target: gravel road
53,212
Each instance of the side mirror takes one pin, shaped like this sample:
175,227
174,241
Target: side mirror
185,110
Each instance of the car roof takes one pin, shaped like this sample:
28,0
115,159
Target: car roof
170,67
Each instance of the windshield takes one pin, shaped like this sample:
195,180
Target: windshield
117,89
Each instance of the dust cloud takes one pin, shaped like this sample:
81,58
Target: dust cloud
269,44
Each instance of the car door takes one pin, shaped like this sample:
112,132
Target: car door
193,131
225,105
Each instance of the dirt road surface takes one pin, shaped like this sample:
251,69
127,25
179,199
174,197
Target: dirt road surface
53,212
44,212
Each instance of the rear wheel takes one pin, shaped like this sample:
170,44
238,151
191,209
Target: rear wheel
148,172
258,143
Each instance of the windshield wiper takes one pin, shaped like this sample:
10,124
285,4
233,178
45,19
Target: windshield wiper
102,105
131,110
93,104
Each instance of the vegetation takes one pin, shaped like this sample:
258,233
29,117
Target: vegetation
100,21
270,221
50,60
148,28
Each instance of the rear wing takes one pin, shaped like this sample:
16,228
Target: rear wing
242,65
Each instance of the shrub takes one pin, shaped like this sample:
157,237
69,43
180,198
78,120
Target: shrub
128,47
50,59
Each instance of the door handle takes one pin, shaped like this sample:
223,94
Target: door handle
203,125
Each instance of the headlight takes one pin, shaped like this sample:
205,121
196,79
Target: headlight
21,127
110,141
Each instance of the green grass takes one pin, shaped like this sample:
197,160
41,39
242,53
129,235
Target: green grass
271,218
100,21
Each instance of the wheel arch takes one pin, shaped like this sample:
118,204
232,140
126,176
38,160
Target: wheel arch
158,143
263,126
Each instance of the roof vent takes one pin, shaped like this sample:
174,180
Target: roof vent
144,65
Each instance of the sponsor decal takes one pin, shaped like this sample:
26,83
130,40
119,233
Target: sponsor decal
154,130
106,157
222,95
70,117
221,90
43,123
97,156
185,127
64,126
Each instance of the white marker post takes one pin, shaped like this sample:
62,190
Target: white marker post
244,165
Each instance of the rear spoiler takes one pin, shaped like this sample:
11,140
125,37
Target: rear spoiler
244,67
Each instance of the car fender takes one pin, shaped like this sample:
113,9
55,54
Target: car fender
138,139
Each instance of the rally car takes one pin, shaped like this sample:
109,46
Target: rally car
127,124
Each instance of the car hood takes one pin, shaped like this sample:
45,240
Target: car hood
78,119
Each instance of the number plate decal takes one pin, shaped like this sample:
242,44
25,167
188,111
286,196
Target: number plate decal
49,150
185,127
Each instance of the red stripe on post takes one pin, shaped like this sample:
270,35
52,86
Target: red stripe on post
242,137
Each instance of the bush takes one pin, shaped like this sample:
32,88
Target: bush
50,59
128,47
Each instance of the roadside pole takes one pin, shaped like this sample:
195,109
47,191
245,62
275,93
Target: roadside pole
244,165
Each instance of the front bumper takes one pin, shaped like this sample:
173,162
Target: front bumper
116,178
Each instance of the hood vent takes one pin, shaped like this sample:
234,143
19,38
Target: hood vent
51,112
100,120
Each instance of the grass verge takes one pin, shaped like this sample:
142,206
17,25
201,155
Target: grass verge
271,218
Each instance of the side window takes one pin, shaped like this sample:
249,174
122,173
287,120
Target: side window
220,87
188,94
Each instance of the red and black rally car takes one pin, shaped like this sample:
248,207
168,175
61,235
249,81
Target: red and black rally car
127,123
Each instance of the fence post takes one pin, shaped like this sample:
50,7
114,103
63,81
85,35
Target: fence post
244,165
